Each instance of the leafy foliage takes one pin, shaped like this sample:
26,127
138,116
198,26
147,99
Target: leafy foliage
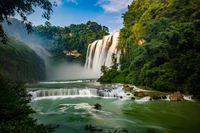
73,37
104,69
24,8
57,39
15,113
168,59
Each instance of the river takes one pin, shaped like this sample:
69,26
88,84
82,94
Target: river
68,106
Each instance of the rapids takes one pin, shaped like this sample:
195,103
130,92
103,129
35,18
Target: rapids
69,105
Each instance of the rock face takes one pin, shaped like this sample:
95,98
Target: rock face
73,53
176,96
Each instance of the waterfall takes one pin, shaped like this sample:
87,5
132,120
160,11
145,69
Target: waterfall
100,52
63,92
86,92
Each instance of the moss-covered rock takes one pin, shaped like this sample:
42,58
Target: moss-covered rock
127,88
158,95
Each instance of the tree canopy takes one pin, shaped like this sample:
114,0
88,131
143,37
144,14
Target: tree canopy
9,8
69,38
161,46
15,113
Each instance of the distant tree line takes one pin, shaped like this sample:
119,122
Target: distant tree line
72,37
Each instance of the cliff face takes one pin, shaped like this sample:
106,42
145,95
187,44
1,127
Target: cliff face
19,62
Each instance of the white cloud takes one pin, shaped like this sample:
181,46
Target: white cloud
73,1
114,5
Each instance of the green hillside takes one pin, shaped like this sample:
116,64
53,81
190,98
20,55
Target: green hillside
160,45
69,38
19,62
59,40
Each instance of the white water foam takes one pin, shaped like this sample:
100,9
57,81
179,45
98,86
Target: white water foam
116,92
63,82
100,52
144,99
188,98
79,106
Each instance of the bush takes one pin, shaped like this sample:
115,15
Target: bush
15,111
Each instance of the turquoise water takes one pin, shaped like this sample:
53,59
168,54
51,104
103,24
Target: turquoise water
73,113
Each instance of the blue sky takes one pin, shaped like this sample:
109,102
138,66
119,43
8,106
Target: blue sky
104,12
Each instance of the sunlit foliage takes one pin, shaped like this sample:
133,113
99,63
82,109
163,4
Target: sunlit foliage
169,58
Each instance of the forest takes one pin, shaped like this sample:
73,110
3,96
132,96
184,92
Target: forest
160,46
57,40
69,38
19,62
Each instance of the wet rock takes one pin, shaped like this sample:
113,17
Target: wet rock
132,98
176,96
127,88
158,95
92,128
141,94
125,85
97,106
164,97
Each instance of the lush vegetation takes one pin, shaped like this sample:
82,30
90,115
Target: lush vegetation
74,37
24,8
160,46
15,113
19,62
57,39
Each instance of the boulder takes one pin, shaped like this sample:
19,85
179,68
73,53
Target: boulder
127,88
176,96
132,98
125,85
140,94
158,95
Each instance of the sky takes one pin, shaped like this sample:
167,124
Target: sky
104,12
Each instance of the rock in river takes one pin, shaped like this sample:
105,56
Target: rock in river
176,96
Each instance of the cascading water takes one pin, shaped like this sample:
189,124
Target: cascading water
116,91
100,52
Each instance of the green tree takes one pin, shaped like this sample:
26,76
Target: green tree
15,113
104,69
74,37
168,59
9,8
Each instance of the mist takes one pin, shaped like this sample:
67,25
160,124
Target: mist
70,71
59,71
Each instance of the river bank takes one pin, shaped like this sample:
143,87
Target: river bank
155,95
